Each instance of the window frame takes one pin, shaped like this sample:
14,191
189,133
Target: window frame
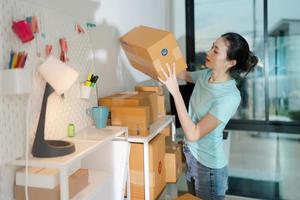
241,124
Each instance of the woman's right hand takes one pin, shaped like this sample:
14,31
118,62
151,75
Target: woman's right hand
170,80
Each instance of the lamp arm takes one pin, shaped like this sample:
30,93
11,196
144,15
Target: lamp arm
40,133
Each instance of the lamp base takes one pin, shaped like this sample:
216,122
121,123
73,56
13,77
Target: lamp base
53,148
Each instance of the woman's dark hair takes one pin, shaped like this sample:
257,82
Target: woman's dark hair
238,49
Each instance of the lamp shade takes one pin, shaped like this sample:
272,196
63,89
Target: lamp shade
58,74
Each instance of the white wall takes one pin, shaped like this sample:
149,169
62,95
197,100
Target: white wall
113,19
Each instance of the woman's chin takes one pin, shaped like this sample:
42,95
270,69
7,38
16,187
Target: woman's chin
207,65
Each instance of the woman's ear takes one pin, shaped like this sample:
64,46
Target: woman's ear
231,63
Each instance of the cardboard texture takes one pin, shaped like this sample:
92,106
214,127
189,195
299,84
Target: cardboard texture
157,168
132,99
77,181
151,100
167,131
188,196
137,119
149,88
149,49
173,162
161,106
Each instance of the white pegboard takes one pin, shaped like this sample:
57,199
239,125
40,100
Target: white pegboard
60,111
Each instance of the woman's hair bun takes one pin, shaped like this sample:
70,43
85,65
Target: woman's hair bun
252,61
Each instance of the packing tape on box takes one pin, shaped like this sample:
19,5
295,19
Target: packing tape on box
122,98
177,53
157,63
150,88
137,178
138,59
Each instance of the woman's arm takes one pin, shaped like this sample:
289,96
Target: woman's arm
192,131
185,76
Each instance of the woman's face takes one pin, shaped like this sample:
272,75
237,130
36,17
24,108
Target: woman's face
216,57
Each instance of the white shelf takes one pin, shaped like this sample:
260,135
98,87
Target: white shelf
15,81
97,151
86,141
97,182
155,128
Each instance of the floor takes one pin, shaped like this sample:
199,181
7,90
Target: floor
262,157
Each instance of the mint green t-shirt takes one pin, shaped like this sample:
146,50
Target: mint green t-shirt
220,100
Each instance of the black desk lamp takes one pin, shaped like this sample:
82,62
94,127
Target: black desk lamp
59,78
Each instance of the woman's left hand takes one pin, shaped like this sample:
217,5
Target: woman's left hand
170,80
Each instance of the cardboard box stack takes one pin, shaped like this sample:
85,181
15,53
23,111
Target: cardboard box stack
157,168
132,99
149,49
137,110
44,183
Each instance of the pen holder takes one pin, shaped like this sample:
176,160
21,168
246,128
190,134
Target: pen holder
23,30
15,81
85,91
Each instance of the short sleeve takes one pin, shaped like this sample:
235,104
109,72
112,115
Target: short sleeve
225,107
196,74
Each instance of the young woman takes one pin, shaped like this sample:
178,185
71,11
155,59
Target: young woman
214,101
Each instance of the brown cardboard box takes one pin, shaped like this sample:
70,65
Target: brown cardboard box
121,99
167,131
188,196
136,118
148,49
173,162
161,109
149,88
157,168
132,99
77,181
151,100
161,106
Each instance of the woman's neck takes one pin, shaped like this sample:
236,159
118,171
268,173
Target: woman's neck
218,77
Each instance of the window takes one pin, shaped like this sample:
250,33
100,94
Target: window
270,94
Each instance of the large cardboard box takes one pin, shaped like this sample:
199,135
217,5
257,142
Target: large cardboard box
137,119
157,168
188,196
132,99
149,49
77,181
173,162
